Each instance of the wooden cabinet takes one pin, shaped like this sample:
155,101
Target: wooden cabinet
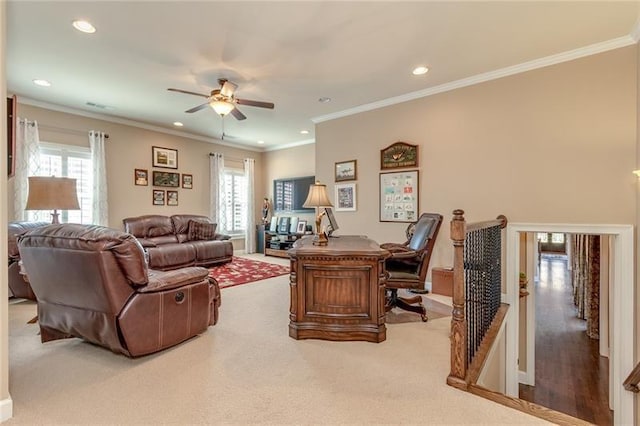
337,291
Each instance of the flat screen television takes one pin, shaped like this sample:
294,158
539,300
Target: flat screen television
333,223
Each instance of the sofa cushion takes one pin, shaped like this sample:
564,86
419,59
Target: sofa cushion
148,226
212,251
171,256
201,231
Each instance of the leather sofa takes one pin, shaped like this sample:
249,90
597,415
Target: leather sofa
170,245
18,287
93,283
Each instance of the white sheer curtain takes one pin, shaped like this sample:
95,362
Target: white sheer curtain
250,234
27,164
98,161
217,199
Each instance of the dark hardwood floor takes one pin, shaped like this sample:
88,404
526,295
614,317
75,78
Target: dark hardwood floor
571,376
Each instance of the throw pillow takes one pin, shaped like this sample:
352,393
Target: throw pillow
201,230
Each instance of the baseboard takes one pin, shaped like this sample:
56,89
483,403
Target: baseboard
523,378
6,409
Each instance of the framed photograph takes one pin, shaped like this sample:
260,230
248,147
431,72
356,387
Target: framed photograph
164,157
141,177
187,181
346,197
158,197
172,198
399,196
302,226
399,155
172,180
346,170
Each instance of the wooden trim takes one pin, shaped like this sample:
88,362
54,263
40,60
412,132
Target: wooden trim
458,371
631,383
500,221
536,410
488,340
12,117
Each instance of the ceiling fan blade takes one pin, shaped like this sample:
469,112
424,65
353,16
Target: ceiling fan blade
187,92
237,114
197,108
259,104
228,88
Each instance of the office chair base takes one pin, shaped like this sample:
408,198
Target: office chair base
411,304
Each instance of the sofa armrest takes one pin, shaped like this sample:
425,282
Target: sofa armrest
146,243
167,280
221,237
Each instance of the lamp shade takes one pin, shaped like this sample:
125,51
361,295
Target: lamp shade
317,196
222,107
52,193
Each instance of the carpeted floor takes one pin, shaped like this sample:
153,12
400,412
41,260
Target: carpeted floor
246,370
243,270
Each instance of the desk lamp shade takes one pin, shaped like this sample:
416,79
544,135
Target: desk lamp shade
52,193
318,199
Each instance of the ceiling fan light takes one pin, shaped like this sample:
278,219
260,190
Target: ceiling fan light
222,107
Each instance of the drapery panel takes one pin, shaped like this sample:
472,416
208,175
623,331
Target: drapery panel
585,276
100,193
250,234
27,164
217,197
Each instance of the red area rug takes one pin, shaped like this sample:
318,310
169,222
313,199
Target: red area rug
242,271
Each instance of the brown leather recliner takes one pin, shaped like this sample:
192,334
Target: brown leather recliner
17,284
92,282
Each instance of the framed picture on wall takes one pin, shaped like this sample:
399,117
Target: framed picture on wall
399,196
346,170
169,179
187,181
158,197
172,198
164,157
141,177
345,197
399,155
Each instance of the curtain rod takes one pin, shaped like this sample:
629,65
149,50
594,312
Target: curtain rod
62,129
227,158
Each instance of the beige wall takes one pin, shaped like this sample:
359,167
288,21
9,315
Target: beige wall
288,163
556,144
129,148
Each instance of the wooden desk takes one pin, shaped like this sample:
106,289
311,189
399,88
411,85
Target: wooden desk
337,291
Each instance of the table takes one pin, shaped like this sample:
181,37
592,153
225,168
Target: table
337,290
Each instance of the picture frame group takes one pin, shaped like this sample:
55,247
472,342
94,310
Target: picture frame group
162,197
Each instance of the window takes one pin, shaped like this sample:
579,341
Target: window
542,237
235,184
73,162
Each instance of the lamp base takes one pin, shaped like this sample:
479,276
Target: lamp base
320,239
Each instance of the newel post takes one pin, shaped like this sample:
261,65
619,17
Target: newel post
458,323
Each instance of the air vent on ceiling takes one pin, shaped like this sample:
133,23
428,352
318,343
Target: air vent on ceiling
99,106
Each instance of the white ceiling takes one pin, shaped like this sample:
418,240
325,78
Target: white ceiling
289,53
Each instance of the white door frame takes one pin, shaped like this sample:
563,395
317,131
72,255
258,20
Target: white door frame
623,302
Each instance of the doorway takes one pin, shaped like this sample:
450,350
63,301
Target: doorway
622,296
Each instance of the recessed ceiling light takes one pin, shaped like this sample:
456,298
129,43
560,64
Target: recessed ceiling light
420,70
84,26
324,99
261,142
40,82
178,124
304,132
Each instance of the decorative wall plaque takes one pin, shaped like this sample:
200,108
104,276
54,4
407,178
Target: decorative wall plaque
399,155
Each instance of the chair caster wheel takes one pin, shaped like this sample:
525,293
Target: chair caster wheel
424,318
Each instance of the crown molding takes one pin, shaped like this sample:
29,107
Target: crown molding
290,145
635,31
132,123
491,75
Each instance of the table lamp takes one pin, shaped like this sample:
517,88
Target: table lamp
318,199
52,193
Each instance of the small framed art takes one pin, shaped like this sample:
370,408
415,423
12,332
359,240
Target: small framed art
187,181
141,177
164,157
302,226
345,197
346,170
158,197
172,180
172,198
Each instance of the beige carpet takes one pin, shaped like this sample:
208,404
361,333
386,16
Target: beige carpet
246,370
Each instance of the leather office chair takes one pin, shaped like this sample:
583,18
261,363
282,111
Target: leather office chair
93,283
409,262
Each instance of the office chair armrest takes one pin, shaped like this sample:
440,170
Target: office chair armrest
404,254
393,247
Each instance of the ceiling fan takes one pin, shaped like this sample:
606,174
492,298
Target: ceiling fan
223,100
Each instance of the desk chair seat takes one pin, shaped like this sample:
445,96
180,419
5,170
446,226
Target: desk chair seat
409,262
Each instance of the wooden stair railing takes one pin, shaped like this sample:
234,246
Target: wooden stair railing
632,381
